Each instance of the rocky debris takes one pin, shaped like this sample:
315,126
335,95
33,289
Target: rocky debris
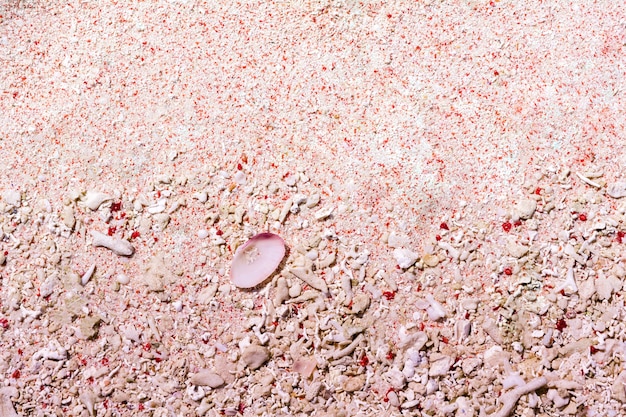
354,383
207,378
6,406
255,356
305,366
617,189
525,208
491,302
89,326
405,258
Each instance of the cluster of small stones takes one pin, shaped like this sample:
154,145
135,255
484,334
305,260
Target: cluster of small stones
111,305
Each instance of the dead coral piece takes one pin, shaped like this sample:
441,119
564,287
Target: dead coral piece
510,399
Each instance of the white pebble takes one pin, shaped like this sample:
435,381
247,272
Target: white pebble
452,251
47,287
405,258
13,198
513,380
208,378
323,213
440,364
617,190
157,207
240,178
195,392
313,200
291,180
201,196
436,310
203,233
178,305
123,279
525,209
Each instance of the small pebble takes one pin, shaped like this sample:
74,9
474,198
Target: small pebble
354,383
323,213
255,356
123,279
12,197
525,208
207,378
312,200
405,258
617,190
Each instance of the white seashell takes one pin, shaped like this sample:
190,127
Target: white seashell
405,258
256,260
195,392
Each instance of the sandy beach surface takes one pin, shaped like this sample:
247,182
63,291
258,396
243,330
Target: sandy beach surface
448,178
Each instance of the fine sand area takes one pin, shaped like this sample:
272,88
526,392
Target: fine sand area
448,179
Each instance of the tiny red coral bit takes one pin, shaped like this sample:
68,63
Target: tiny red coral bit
561,324
444,226
506,226
364,361
582,217
389,295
